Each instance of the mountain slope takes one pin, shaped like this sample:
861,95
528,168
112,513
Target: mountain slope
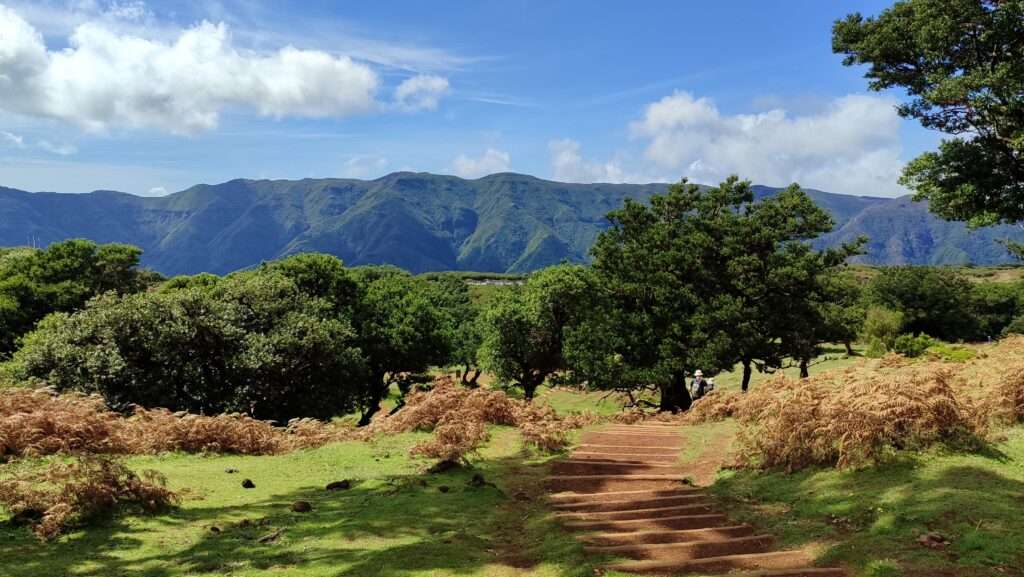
424,222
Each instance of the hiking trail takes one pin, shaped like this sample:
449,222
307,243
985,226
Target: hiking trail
623,490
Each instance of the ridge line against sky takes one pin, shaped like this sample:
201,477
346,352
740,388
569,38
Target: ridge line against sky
154,97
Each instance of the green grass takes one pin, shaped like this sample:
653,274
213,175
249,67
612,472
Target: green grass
395,521
870,519
833,357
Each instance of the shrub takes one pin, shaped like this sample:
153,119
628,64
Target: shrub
253,343
883,325
912,346
66,495
876,348
948,352
1016,327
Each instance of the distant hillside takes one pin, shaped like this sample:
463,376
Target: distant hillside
425,222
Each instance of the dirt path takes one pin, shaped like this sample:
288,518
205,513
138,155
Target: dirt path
624,489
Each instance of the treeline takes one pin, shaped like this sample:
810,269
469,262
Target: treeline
701,277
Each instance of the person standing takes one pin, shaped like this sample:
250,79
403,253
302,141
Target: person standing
698,385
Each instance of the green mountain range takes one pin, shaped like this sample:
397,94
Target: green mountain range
425,222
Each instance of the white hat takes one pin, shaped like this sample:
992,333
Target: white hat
698,373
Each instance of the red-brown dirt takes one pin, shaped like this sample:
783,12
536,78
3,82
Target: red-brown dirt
626,492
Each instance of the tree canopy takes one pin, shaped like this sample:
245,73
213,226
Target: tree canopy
961,62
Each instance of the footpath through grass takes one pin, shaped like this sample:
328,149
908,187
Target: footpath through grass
394,521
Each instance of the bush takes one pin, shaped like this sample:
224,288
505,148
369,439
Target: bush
934,301
253,343
66,495
948,352
1016,327
876,349
883,325
912,346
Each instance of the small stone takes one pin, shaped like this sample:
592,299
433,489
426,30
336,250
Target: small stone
248,484
302,507
444,488
477,480
342,485
230,470
214,529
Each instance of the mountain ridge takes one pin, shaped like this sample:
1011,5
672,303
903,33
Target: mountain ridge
503,222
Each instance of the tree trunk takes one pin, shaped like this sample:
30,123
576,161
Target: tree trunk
468,381
849,349
530,383
373,403
746,375
804,373
675,396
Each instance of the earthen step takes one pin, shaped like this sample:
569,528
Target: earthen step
723,564
806,572
688,551
651,513
573,467
639,441
676,536
702,521
605,496
631,504
628,449
612,482
623,457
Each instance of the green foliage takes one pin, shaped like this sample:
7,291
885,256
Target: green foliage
400,330
912,346
876,348
704,278
935,301
951,353
461,323
960,61
254,344
882,326
524,329
61,278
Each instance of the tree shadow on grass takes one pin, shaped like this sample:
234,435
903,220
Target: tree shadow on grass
874,514
403,525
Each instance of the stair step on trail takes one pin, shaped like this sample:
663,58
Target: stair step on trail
652,513
631,504
697,521
663,536
688,550
721,564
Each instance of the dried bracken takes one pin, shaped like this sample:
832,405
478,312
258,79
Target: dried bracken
66,495
37,422
459,418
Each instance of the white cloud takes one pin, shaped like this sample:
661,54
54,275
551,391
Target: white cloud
364,166
490,162
568,165
12,139
852,146
61,149
109,79
157,191
420,92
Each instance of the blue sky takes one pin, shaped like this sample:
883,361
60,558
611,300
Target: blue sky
154,97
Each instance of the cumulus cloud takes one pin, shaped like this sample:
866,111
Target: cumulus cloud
490,162
105,78
12,139
852,146
421,92
157,191
62,149
364,166
568,165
